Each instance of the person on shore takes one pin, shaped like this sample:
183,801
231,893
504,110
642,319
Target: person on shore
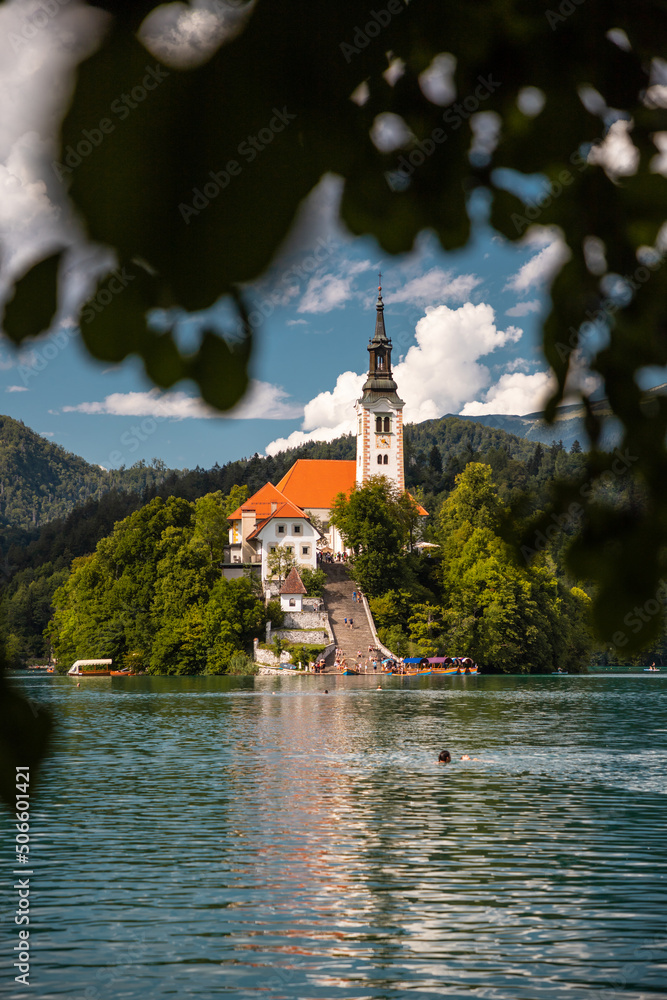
444,757
351,620
354,596
345,620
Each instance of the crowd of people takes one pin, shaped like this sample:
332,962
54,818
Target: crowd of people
330,557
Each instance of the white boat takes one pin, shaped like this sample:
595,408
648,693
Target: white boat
90,668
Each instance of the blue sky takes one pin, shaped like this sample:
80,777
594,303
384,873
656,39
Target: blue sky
460,323
465,325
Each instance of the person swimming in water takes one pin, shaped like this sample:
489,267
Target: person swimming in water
444,757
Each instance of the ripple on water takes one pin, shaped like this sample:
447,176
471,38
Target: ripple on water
201,835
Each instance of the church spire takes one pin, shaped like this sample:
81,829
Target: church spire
380,381
380,411
380,332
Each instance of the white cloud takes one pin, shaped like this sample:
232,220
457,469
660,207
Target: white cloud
440,373
16,388
262,402
434,287
325,292
442,370
524,308
297,322
541,268
514,393
50,434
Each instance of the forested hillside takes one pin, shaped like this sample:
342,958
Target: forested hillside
40,481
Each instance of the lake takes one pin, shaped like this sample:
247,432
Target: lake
256,837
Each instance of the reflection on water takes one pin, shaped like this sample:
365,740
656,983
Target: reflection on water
203,836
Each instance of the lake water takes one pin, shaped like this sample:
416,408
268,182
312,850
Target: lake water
197,837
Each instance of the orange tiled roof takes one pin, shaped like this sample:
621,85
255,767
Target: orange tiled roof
284,509
260,502
314,482
420,509
293,584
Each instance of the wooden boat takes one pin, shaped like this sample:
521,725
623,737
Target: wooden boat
90,668
349,670
453,665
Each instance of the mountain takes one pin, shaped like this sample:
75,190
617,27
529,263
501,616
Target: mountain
41,481
568,426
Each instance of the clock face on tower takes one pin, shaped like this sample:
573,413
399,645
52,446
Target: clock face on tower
381,442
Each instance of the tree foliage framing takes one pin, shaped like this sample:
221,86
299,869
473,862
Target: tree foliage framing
297,65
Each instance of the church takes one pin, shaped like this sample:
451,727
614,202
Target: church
281,515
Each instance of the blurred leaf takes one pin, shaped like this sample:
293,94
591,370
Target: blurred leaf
33,305
25,731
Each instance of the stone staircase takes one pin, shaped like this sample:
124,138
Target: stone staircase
339,605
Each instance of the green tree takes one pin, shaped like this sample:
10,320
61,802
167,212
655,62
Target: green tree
279,561
314,580
211,527
510,619
372,522
426,628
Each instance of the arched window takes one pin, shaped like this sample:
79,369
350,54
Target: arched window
380,459
387,425
378,425
386,459
379,364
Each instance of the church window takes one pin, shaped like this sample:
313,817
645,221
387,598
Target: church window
380,363
379,459
386,459
292,602
387,425
378,425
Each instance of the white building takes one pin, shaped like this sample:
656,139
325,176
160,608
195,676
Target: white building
267,521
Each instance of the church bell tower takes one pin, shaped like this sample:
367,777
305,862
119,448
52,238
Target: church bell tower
380,412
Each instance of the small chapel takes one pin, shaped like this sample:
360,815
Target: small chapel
281,515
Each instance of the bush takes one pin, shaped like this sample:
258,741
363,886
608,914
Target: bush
275,614
314,581
394,639
242,664
303,653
